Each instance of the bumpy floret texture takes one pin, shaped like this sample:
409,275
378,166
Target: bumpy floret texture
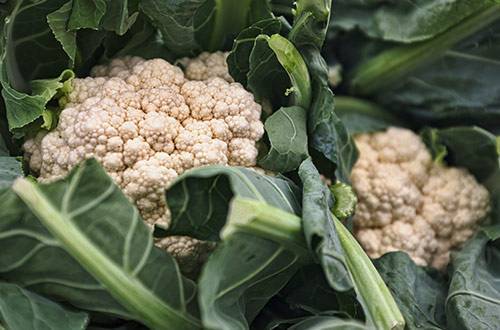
409,203
207,65
147,122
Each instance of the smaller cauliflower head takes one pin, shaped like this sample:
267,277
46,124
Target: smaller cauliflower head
147,122
409,203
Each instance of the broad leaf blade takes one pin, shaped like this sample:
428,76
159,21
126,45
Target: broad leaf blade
239,57
22,309
57,22
287,133
199,199
86,14
88,246
419,294
31,50
117,17
255,269
175,21
261,245
10,169
24,109
473,298
402,21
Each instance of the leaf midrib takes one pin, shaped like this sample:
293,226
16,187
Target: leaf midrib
127,289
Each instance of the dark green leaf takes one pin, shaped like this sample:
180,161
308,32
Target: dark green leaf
31,51
199,199
117,17
448,79
10,169
243,273
310,23
308,292
239,58
319,228
22,309
218,22
470,147
402,21
420,294
287,133
86,14
174,19
85,244
360,116
473,298
58,21
141,40
460,87
345,264
327,134
266,78
262,242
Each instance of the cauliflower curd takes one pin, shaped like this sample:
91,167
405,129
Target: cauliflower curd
147,122
407,202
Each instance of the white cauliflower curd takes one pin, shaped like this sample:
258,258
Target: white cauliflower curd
407,202
147,122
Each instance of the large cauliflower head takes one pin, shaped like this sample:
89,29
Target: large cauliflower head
407,202
147,122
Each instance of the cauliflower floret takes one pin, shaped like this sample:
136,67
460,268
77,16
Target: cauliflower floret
188,251
408,203
165,100
147,123
207,65
155,73
118,67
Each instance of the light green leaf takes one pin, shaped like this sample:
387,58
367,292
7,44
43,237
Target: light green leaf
22,309
287,133
294,65
23,109
345,200
82,241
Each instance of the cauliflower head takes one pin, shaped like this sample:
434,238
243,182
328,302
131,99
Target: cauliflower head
147,122
409,203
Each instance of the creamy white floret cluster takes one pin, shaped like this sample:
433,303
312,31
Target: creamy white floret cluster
147,122
407,202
